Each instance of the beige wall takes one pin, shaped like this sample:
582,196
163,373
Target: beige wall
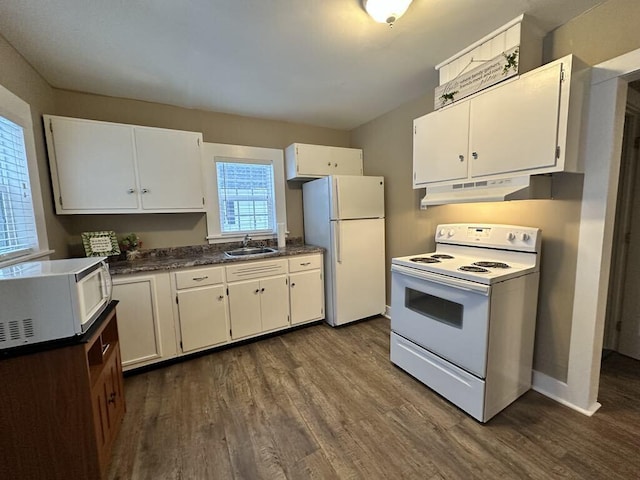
167,230
604,32
21,79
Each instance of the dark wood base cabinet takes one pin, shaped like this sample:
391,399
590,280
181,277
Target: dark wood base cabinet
61,408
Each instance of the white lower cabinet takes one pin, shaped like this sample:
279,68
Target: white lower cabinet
201,308
306,289
258,306
164,315
145,318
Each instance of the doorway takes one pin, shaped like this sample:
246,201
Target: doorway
622,321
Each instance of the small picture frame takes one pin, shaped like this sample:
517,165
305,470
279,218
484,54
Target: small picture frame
100,244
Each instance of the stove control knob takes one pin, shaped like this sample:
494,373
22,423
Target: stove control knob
451,233
524,237
510,236
441,232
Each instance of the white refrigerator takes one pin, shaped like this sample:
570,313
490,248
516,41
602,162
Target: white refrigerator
344,214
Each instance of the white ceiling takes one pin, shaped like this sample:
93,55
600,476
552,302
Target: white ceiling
319,62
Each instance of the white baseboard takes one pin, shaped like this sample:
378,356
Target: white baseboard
558,391
387,312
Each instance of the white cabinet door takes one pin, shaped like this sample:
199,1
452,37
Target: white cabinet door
440,144
306,294
244,308
306,161
145,318
92,164
203,317
309,161
274,303
170,169
514,127
345,161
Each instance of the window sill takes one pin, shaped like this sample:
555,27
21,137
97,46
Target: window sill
238,238
26,258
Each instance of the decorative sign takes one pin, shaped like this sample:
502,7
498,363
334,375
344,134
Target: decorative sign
489,73
100,244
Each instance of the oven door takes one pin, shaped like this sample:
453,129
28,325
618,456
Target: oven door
447,316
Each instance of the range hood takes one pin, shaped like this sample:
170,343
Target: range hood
516,188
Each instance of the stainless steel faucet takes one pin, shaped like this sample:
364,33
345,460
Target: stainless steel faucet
245,241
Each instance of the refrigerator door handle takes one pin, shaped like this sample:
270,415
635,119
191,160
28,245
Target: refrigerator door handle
337,242
338,211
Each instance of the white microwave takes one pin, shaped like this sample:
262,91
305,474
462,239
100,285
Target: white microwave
50,300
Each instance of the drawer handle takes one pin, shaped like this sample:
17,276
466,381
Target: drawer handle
304,264
199,279
112,398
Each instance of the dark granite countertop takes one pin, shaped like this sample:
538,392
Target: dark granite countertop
185,257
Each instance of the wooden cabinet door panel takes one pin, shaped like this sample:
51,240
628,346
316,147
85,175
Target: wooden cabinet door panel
170,169
345,161
312,160
514,128
137,319
440,145
274,302
244,308
203,317
94,163
306,296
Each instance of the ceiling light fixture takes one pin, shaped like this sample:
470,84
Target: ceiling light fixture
386,11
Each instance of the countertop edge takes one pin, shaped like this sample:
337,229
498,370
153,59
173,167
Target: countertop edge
217,258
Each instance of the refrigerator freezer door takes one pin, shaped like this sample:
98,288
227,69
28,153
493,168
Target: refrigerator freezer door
356,197
358,287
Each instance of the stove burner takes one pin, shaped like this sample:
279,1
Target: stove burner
470,268
442,256
491,264
424,260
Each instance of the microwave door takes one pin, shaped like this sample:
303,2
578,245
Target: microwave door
93,296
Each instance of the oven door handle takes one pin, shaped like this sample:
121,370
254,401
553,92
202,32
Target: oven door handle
442,279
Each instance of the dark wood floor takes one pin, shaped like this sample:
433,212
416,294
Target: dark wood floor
326,403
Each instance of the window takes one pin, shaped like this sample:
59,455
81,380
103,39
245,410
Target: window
22,233
245,191
245,196
18,233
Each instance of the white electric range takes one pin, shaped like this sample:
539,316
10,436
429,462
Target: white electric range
463,317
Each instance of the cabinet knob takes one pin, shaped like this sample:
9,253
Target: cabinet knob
221,297
329,164
335,164
257,290
112,398
131,190
145,190
262,289
475,155
293,285
461,157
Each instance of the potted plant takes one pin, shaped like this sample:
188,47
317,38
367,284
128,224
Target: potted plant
130,244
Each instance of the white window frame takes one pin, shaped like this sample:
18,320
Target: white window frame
241,154
18,111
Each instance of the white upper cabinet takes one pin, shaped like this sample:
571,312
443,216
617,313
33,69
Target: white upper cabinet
170,169
306,162
442,138
527,126
515,128
102,167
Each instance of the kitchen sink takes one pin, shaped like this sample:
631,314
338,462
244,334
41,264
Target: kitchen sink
246,251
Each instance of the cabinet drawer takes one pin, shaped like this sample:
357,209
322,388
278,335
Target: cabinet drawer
245,271
299,264
199,277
